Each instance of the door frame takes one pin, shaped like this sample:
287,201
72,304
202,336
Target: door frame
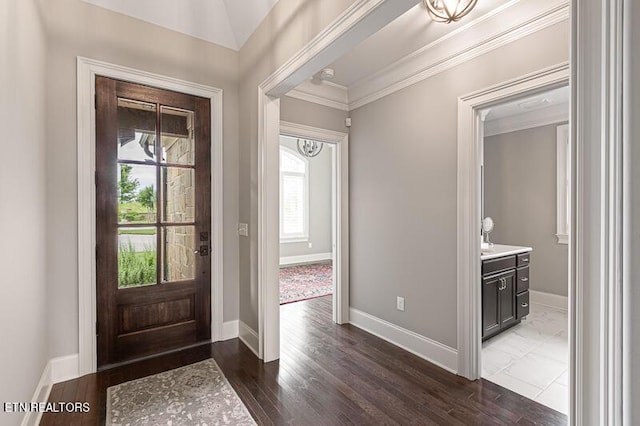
357,22
339,209
87,69
598,254
470,153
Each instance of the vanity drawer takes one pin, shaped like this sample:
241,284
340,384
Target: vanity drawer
522,305
499,264
523,259
522,279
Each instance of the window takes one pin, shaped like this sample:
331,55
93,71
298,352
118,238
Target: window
563,182
294,196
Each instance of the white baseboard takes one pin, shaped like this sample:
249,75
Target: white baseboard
306,258
41,395
549,299
57,370
249,337
64,368
230,329
434,352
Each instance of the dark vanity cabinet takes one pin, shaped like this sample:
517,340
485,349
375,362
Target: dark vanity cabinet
505,292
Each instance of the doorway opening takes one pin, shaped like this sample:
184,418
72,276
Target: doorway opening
468,266
307,205
307,280
313,219
525,197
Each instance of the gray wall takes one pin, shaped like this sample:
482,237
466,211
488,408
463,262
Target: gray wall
520,195
77,28
23,288
287,28
403,160
302,112
320,182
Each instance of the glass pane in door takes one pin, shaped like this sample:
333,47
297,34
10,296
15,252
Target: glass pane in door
178,194
136,130
177,136
178,253
137,199
137,254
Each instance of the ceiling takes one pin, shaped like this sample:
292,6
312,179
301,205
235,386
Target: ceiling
541,109
412,48
228,23
411,31
556,98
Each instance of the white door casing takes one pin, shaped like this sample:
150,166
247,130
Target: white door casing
361,19
87,69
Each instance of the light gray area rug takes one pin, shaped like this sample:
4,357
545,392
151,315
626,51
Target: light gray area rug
194,395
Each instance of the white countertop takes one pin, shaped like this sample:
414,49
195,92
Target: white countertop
499,250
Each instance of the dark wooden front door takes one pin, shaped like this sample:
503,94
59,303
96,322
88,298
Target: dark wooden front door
153,217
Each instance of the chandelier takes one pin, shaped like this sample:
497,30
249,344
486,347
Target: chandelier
448,11
309,148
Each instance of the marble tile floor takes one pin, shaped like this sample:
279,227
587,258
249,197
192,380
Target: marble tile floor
532,358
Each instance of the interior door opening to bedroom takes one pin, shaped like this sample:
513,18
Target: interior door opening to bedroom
309,226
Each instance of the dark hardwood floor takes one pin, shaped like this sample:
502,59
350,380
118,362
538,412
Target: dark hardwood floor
327,374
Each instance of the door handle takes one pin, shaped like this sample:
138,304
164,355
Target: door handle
204,251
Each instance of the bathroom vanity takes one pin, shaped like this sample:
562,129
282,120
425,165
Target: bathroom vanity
505,287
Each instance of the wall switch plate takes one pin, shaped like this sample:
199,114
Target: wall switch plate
400,303
243,229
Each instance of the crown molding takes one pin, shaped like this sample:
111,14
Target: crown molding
542,117
323,92
506,24
318,52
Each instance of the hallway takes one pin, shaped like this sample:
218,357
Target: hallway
328,374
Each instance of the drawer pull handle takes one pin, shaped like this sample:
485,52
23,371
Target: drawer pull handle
524,305
525,279
525,259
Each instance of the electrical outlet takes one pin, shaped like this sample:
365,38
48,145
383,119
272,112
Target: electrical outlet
400,303
243,229
310,245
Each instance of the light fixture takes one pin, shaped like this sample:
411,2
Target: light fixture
327,74
448,11
309,148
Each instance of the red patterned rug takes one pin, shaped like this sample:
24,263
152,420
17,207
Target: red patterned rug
305,282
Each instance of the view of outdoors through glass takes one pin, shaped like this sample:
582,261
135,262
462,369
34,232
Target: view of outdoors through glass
156,196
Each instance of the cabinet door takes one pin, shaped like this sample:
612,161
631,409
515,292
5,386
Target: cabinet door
507,299
490,306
